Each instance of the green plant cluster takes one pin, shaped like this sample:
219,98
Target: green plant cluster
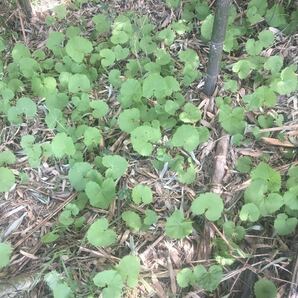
147,81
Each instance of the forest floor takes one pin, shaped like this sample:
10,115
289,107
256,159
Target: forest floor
31,209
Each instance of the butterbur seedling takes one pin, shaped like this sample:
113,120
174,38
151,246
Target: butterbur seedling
249,212
116,164
101,195
7,158
5,252
57,285
177,227
129,268
190,114
111,282
150,217
132,220
243,164
265,288
285,225
92,137
210,204
141,194
143,138
130,92
99,233
129,119
102,23
63,145
189,137
77,47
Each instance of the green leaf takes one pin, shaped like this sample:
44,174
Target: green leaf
184,277
173,3
242,68
60,11
129,268
206,27
78,175
130,91
49,237
114,78
99,233
292,181
253,47
20,51
190,114
189,137
265,288
108,57
187,176
102,23
79,83
129,119
171,107
243,164
288,81
167,35
7,179
235,233
142,194
28,67
100,108
142,139
231,85
262,97
210,204
7,158
77,47
189,57
150,217
44,87
249,212
101,196
55,42
111,282
208,280
5,252
291,199
59,288
177,227
275,16
116,164
285,225
272,177
274,64
63,145
266,38
92,137
132,220
122,30
120,53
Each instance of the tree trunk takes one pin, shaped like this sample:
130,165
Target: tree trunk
26,8
216,46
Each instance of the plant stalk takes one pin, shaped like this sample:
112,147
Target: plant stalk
216,45
26,8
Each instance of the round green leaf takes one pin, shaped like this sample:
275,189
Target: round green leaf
99,234
265,288
141,194
210,204
249,212
7,179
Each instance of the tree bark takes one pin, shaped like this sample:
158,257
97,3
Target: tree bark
216,46
26,8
